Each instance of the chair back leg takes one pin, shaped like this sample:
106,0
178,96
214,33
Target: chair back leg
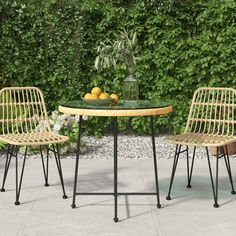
228,167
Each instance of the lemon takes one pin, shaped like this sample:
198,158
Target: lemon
104,96
87,95
114,97
94,96
96,90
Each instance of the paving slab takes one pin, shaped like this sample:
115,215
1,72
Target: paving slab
190,212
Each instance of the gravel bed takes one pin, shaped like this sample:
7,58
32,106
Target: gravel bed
129,146
134,147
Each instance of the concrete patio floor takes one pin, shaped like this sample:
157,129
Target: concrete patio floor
43,212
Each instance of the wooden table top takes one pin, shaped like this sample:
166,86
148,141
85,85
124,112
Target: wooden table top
123,108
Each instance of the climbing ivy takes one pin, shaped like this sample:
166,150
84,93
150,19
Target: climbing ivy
182,45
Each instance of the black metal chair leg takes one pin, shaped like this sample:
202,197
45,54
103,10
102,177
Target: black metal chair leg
155,162
45,170
7,164
214,189
175,162
188,174
58,162
228,167
77,161
115,168
191,170
18,188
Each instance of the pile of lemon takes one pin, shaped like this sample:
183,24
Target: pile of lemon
97,93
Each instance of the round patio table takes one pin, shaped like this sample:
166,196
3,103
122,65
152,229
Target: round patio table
123,108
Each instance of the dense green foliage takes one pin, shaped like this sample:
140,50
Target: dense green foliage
183,44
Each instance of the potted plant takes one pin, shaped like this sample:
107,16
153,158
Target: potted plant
121,52
231,149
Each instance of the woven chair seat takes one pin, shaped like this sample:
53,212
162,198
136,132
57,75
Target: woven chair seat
201,140
36,138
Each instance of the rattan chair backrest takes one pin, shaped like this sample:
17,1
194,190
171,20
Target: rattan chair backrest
22,109
212,111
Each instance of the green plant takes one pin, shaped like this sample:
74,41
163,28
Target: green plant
64,124
123,51
3,80
185,45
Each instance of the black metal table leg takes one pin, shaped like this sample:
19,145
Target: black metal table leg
115,193
115,168
77,161
155,162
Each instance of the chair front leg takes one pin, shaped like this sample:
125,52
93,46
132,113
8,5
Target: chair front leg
190,171
18,188
58,162
45,169
175,162
214,187
9,153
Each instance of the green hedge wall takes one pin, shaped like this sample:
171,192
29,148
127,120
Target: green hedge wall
182,44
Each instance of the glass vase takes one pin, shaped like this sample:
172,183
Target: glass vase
131,89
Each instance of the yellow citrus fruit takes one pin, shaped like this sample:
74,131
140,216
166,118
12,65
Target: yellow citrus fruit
87,95
96,90
114,97
94,96
104,95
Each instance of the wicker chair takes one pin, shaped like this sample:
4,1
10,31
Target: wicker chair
24,122
210,123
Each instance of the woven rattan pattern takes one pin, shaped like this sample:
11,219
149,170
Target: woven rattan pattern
22,113
211,119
